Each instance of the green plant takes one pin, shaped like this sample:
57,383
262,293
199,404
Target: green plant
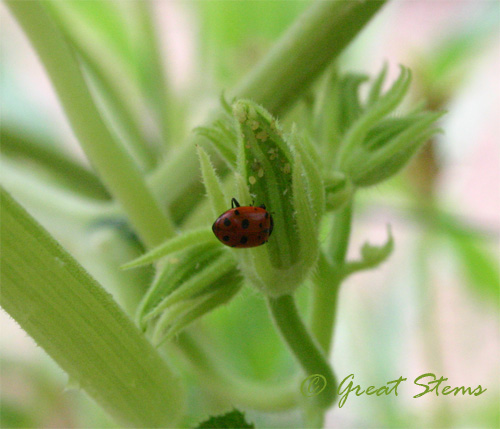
307,174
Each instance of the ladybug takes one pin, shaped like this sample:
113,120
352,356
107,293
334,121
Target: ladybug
243,227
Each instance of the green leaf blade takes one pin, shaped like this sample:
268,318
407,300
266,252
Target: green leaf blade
233,419
218,200
176,244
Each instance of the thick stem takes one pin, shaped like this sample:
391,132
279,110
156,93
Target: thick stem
320,34
111,160
118,90
303,52
304,348
81,327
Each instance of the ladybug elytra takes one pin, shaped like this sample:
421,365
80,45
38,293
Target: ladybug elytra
243,227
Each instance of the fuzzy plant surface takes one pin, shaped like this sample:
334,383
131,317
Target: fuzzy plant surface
307,174
301,181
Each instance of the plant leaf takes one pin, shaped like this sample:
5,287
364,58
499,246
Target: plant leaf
478,265
371,256
176,244
376,87
232,420
384,105
173,273
173,322
218,200
196,283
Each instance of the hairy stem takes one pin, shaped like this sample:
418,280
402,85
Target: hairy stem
111,160
81,327
304,51
327,282
307,352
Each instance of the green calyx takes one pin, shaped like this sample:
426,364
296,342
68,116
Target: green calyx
280,171
361,138
297,180
195,277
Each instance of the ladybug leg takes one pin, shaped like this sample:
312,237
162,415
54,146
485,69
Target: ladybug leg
234,203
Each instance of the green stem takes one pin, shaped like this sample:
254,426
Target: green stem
326,287
51,201
231,387
340,233
70,172
117,94
304,51
427,298
324,297
117,89
81,327
302,345
157,82
113,163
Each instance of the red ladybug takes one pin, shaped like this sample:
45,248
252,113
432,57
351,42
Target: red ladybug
243,227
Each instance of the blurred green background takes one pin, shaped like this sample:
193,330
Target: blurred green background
433,307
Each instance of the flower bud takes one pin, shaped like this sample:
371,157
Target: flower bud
189,284
375,146
388,148
277,170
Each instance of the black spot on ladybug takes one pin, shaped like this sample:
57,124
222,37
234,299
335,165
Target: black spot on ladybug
255,209
236,212
227,222
259,237
260,225
225,238
244,239
245,223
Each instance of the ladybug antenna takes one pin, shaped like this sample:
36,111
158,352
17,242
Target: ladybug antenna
234,203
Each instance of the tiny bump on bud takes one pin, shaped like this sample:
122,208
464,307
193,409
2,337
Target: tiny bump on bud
240,113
